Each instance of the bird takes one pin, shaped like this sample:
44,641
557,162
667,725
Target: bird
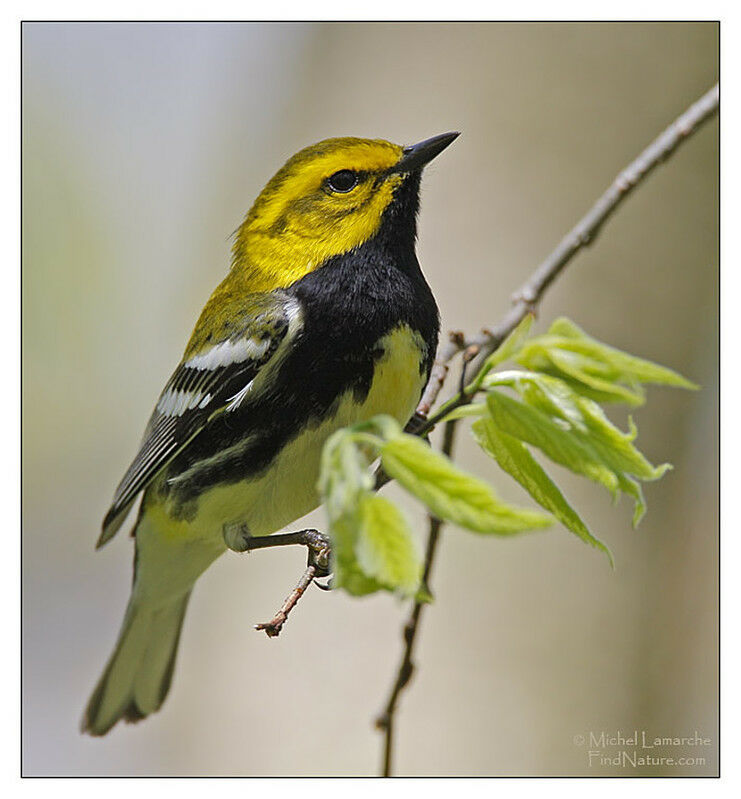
324,319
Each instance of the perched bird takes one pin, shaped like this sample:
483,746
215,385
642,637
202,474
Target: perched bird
324,320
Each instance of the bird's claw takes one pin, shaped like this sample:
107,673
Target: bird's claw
324,586
320,552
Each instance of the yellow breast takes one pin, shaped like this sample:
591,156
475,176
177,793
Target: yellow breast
397,382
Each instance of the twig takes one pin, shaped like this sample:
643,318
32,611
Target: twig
525,300
275,625
385,722
439,372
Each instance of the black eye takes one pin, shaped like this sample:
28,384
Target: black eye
343,181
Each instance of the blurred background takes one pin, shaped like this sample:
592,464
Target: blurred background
143,147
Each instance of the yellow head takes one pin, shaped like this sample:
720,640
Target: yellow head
328,199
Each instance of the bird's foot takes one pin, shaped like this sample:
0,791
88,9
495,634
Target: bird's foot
318,565
237,537
320,551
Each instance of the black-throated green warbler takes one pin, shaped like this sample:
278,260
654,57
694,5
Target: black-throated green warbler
324,320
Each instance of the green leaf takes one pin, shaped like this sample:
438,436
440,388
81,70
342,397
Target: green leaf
600,372
386,550
349,577
574,432
639,369
384,425
466,411
344,479
516,460
372,547
633,489
573,412
585,374
452,494
347,572
344,474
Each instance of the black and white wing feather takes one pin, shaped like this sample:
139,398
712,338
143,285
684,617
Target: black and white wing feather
209,383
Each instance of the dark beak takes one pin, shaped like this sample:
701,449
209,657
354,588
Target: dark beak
419,155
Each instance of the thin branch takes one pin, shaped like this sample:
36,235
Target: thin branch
525,300
273,627
385,722
439,372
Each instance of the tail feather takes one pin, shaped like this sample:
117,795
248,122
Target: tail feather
138,675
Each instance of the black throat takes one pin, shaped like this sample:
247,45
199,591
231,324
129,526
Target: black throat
356,298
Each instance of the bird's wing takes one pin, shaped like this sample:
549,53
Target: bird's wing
211,381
